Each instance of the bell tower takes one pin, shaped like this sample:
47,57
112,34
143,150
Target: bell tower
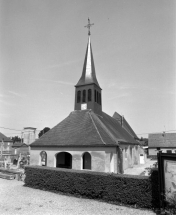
87,90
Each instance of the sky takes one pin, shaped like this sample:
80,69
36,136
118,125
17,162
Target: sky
42,50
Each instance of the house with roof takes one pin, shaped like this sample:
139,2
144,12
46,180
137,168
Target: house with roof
88,138
166,142
21,148
6,150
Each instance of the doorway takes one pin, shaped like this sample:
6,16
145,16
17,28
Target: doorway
64,160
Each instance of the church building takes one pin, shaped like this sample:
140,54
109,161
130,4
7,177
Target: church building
88,139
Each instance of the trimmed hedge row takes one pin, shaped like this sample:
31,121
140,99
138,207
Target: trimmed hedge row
139,191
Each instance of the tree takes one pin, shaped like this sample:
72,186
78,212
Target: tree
43,131
16,139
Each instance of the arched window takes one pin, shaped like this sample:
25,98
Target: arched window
64,160
79,96
89,95
100,98
95,95
86,160
97,98
84,96
43,158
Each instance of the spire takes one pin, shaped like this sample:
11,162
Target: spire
88,73
87,90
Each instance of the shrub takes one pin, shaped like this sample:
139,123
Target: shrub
119,189
171,205
154,181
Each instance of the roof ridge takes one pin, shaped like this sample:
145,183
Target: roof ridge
105,128
126,129
96,128
129,128
122,129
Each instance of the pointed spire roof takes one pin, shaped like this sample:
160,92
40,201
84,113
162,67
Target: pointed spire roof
88,73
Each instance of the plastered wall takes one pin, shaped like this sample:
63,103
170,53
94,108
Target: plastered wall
130,155
103,159
154,151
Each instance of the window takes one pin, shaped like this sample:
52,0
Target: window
89,95
100,98
95,95
79,96
169,151
86,160
43,156
84,96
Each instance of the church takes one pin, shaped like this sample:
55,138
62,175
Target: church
88,139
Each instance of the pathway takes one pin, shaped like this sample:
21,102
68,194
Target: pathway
15,199
138,169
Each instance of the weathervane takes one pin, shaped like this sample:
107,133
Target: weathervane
88,26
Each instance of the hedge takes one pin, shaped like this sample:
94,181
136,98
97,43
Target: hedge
138,191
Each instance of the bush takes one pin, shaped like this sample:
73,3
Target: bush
119,189
171,205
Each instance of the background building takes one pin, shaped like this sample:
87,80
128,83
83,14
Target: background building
161,141
6,150
29,135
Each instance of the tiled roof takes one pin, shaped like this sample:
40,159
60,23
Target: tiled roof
4,138
85,128
125,125
115,128
162,140
19,144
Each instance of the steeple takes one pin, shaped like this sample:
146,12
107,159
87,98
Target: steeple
88,91
88,72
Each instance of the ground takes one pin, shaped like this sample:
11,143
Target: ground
15,199
140,168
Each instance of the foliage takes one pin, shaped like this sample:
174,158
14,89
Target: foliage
171,205
154,181
43,131
16,139
150,169
143,141
131,190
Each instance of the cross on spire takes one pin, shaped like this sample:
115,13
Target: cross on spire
88,26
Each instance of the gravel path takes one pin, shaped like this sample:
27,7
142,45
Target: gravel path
15,199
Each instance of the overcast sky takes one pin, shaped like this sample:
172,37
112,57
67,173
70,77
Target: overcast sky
42,50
